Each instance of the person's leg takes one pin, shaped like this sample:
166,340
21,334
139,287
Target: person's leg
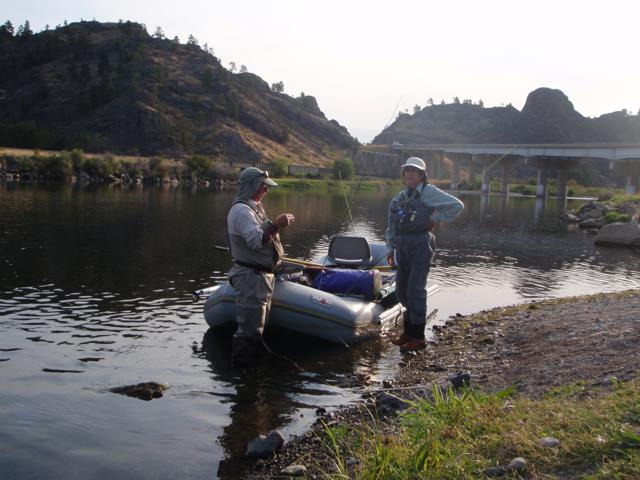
422,252
252,305
403,268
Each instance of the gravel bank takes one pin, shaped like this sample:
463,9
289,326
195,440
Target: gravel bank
533,347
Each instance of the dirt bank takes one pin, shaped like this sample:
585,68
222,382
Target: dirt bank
533,347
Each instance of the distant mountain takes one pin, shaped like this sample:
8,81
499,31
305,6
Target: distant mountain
547,117
113,87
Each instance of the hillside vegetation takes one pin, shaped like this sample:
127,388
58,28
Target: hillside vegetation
112,87
548,116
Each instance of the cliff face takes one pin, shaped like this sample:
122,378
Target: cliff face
547,117
112,87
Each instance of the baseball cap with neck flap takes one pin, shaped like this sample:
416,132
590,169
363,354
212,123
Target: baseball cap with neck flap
415,162
250,180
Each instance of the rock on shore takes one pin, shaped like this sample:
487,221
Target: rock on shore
533,347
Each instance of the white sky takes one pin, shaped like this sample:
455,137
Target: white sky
364,60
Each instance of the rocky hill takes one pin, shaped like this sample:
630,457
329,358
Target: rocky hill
547,117
113,87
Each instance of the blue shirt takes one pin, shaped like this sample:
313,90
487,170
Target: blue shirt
446,208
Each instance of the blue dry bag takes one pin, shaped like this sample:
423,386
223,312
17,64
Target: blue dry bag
349,282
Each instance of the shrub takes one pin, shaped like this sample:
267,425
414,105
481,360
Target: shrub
199,165
58,167
611,217
343,169
280,167
77,159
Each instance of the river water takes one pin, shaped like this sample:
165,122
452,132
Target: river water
95,288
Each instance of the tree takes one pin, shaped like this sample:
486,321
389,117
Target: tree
7,27
281,167
159,33
416,108
243,68
25,31
343,169
456,101
192,40
198,165
176,40
207,77
277,87
232,66
430,102
481,103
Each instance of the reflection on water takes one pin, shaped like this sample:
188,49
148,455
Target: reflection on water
95,292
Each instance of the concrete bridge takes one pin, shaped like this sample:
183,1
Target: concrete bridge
624,158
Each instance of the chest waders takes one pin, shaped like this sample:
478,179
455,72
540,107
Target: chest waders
254,282
414,249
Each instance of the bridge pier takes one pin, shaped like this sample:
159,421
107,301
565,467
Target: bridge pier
543,177
455,174
563,170
486,173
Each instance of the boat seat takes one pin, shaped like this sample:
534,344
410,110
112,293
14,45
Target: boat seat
351,251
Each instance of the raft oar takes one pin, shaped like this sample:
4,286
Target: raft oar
306,264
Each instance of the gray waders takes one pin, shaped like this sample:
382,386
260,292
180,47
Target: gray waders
413,256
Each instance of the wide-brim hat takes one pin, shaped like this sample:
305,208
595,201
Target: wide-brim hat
250,174
415,162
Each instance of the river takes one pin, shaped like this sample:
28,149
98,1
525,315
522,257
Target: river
95,292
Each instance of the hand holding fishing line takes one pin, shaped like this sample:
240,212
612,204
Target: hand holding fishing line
284,220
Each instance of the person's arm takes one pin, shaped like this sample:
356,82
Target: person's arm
390,233
243,222
447,207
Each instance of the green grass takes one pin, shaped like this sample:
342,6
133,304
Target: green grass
459,436
331,185
611,217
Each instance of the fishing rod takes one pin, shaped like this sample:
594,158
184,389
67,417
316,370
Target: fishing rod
296,261
491,165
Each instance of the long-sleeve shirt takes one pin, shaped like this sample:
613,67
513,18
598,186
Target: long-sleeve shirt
446,208
243,221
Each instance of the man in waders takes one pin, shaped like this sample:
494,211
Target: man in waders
413,214
256,249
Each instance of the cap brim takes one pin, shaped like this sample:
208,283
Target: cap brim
269,182
414,166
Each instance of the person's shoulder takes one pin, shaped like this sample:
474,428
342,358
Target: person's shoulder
429,187
240,209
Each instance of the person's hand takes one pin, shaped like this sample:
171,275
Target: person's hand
284,220
390,260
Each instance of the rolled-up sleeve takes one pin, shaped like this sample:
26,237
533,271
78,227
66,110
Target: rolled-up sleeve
447,207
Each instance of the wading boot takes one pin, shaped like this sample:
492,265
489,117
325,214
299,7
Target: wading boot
401,340
413,345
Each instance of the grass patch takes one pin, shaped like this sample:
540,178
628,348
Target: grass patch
331,185
459,436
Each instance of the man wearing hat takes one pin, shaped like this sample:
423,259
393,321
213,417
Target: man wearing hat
256,249
413,214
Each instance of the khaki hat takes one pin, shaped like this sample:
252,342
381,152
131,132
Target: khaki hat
249,174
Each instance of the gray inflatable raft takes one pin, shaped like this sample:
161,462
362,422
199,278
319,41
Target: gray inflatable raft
336,317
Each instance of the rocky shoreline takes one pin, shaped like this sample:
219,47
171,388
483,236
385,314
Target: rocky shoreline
533,347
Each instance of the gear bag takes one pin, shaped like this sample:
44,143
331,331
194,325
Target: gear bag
349,282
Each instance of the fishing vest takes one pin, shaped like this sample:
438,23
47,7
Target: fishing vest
266,258
412,215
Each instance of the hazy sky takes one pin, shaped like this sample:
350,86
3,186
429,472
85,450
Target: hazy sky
365,61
